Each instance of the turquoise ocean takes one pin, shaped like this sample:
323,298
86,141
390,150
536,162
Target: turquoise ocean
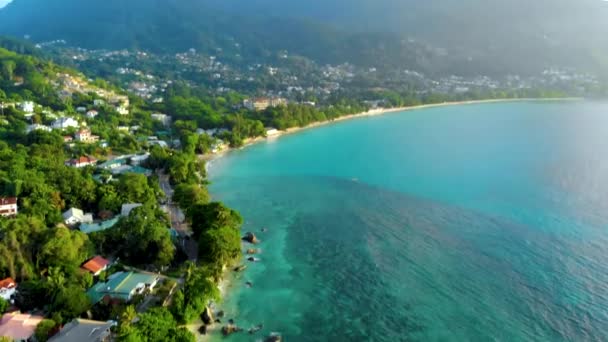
483,222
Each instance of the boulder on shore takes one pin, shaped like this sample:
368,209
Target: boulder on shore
207,316
251,238
203,330
230,329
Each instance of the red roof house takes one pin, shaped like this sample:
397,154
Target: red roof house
96,265
7,288
81,162
8,206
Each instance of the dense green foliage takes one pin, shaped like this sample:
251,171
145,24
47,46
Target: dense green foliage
25,77
198,291
3,305
140,239
155,325
215,215
44,329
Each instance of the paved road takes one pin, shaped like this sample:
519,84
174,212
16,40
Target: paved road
178,219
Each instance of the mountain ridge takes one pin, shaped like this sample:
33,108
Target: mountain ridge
327,31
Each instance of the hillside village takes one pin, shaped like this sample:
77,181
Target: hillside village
116,239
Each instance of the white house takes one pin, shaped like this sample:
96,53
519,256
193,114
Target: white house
92,114
139,159
37,127
65,123
122,110
27,106
8,206
163,118
75,216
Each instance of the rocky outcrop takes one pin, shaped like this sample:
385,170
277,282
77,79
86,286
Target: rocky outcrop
207,316
251,238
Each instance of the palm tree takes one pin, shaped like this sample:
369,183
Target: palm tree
128,315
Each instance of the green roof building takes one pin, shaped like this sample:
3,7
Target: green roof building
122,285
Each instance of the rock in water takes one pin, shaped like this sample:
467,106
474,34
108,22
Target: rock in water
252,251
228,329
207,316
240,268
251,238
273,338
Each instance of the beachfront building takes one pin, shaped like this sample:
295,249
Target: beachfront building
8,287
80,330
19,327
8,206
76,216
262,103
270,131
96,265
122,286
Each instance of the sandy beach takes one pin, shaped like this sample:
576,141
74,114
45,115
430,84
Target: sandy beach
373,112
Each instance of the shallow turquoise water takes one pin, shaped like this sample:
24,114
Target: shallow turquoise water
466,223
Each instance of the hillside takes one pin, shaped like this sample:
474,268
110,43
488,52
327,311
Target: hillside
433,36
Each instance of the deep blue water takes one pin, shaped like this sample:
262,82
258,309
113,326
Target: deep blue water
464,223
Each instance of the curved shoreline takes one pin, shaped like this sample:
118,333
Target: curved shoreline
373,112
227,281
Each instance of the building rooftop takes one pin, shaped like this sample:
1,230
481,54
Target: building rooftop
7,283
95,264
8,200
120,285
89,228
80,330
